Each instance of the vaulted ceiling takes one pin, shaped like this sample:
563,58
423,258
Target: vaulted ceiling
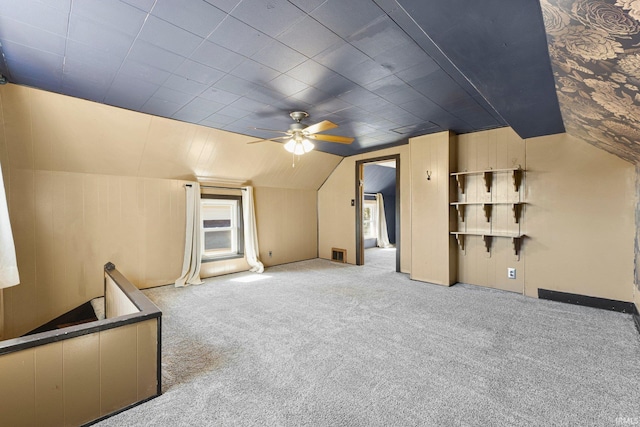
383,70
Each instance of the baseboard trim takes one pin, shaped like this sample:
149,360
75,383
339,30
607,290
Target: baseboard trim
636,317
595,302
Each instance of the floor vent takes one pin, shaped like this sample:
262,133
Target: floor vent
339,255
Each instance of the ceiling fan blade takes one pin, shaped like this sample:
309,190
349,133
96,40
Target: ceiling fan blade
320,127
270,139
270,130
332,138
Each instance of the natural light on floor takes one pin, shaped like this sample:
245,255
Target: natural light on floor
252,278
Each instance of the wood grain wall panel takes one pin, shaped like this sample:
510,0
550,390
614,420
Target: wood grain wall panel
80,222
17,127
118,368
337,218
77,380
19,299
48,131
580,219
17,402
430,250
49,397
147,357
494,149
81,374
287,224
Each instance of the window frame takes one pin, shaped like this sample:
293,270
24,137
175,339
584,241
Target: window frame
373,221
239,228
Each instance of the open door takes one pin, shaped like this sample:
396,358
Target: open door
362,193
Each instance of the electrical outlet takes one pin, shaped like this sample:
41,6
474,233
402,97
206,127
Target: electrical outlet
511,273
270,253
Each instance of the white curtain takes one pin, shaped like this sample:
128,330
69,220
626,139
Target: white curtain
8,263
251,249
193,239
382,234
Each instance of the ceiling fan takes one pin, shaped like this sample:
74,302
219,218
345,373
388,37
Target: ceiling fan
299,134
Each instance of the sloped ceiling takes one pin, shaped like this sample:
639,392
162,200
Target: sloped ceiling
383,70
44,131
595,52
379,179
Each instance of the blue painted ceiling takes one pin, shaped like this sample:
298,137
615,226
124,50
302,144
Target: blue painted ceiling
383,70
379,179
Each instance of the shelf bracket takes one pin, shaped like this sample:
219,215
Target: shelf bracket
517,179
487,211
487,242
517,211
460,209
460,179
460,239
516,245
488,175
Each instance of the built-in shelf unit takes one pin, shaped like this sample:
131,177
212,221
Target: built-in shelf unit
487,206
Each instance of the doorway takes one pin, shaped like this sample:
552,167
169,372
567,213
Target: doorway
377,206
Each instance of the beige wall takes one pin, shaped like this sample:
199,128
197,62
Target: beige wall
89,183
47,131
75,381
580,217
433,249
337,218
496,149
68,225
287,222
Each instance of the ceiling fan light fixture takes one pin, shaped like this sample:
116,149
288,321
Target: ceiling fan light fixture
298,150
290,146
307,145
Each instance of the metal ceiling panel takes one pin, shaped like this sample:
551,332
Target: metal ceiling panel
219,95
237,64
144,5
216,56
53,16
195,71
509,64
238,37
347,17
286,85
27,35
279,57
272,17
100,36
309,37
142,71
255,72
169,37
160,107
155,56
225,5
126,18
130,92
197,17
185,85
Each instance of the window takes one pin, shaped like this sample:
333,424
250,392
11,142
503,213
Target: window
221,226
370,219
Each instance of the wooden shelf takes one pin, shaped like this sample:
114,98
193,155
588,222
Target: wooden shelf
516,207
516,175
516,239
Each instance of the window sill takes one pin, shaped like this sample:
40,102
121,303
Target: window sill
222,258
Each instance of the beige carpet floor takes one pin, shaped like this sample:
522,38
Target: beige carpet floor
318,343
